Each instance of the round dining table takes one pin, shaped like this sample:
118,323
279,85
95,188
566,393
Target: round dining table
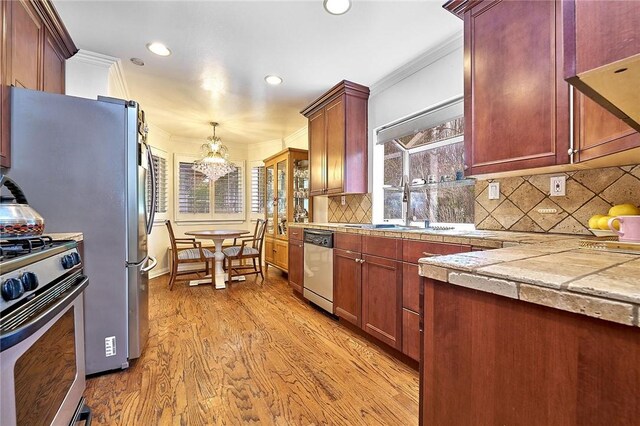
218,236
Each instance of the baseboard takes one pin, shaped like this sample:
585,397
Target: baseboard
158,272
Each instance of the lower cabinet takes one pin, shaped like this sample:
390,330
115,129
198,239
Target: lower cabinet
347,286
276,253
381,299
296,265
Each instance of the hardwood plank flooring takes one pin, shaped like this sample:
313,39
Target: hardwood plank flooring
252,354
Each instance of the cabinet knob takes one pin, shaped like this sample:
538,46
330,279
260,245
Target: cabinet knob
572,151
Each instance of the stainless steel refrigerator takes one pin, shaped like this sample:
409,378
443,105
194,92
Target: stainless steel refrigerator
83,165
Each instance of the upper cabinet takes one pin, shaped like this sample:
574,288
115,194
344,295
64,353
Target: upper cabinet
34,45
519,111
602,54
338,140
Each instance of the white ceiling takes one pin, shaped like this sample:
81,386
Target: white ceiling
232,45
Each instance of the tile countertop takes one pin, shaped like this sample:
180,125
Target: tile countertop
78,236
546,269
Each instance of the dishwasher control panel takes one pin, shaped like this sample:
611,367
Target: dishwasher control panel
319,238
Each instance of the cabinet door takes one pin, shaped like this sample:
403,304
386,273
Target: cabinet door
598,132
347,287
296,265
382,299
270,197
281,190
26,39
5,81
410,287
53,73
411,334
281,254
516,106
268,250
317,153
335,125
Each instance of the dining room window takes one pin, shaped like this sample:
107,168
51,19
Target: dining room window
257,190
198,199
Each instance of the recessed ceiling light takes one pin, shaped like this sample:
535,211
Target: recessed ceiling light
274,80
137,61
337,7
159,49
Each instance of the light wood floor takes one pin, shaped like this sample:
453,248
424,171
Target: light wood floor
252,354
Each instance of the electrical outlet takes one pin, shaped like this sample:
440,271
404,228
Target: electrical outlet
547,211
558,186
343,200
494,191
110,346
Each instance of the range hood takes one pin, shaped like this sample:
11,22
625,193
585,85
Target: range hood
616,87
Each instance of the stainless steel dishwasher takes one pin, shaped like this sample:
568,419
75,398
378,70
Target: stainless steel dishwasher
318,268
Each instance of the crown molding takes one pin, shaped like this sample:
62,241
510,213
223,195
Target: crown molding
300,132
117,74
425,59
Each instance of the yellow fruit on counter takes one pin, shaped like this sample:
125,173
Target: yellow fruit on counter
593,222
624,210
603,223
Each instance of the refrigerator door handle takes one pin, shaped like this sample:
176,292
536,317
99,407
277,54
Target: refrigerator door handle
152,175
152,265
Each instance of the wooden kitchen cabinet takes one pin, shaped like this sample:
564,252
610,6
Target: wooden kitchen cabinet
33,47
286,201
517,109
296,261
368,287
492,360
411,252
338,140
602,53
382,299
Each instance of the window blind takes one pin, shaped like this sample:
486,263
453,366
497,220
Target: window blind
257,189
228,192
193,191
160,167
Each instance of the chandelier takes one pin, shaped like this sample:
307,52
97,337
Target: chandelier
214,162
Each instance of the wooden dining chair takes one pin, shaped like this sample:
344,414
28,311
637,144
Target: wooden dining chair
244,249
186,251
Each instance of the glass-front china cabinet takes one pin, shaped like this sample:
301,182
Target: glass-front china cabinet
287,201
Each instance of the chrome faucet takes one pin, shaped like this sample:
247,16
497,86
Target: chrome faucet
406,200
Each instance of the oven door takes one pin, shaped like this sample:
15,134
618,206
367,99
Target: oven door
43,375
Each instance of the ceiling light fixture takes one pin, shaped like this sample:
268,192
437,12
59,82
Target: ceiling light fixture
137,61
159,49
273,80
337,7
215,158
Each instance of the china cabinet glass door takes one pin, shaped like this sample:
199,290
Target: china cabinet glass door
281,171
270,199
301,191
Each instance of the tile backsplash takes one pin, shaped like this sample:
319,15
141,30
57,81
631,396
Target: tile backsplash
588,192
357,209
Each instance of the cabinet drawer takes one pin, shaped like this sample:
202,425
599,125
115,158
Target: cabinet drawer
414,250
296,234
350,242
410,287
391,248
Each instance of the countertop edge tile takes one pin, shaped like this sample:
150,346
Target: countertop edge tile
486,284
620,312
77,236
434,272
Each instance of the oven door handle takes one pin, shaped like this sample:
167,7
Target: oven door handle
16,336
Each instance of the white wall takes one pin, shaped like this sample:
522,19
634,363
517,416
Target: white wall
431,78
90,74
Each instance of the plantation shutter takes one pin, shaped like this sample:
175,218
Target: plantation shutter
257,189
160,167
193,191
228,191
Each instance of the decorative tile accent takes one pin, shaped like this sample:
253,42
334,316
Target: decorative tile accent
589,192
357,209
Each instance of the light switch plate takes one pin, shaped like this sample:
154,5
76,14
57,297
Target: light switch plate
494,191
558,186
343,200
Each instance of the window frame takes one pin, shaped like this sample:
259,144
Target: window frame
162,216
210,217
260,215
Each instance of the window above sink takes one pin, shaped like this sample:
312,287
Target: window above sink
433,160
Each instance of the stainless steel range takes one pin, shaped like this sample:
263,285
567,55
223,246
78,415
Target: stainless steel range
42,365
